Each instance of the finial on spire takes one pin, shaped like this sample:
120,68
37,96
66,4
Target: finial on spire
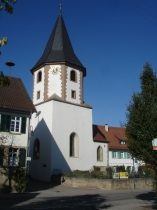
60,5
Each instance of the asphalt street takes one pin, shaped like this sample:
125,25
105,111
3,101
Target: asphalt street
43,195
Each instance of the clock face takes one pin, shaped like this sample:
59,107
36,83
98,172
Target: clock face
55,70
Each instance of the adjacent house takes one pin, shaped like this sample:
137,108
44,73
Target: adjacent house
117,148
16,109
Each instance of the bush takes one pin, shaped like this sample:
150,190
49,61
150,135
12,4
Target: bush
21,179
87,174
120,168
145,171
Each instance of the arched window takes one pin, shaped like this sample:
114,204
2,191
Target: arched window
73,76
73,145
99,154
36,149
39,76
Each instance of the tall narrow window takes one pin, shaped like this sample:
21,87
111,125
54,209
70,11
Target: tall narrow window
121,155
73,94
73,76
13,157
38,95
36,152
15,124
39,76
73,145
99,154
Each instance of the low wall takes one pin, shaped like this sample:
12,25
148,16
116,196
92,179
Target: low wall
108,184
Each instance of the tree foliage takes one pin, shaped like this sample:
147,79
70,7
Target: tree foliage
4,80
7,5
141,123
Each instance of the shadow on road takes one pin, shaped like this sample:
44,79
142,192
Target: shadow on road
83,202
150,196
35,185
31,200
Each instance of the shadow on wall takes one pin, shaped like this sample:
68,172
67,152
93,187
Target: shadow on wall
51,160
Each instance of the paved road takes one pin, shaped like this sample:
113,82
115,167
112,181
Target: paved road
46,196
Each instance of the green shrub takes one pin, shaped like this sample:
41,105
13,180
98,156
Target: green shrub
21,179
87,174
120,168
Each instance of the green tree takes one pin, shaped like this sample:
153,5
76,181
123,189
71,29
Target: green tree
7,5
141,119
141,124
4,80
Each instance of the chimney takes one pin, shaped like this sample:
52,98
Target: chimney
106,127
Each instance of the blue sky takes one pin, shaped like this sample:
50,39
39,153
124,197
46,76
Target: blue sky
112,38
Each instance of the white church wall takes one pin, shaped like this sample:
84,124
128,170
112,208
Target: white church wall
54,80
42,125
38,86
66,120
104,147
71,85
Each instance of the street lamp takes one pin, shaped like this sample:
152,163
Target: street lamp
10,64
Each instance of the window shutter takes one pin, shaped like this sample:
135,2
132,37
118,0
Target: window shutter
5,122
22,157
125,155
1,156
119,155
23,125
112,154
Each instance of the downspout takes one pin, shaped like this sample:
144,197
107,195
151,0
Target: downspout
28,144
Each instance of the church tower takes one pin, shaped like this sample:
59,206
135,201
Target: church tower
62,126
58,74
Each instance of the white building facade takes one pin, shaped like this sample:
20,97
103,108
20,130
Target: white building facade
63,135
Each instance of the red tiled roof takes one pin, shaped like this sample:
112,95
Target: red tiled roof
114,135
15,96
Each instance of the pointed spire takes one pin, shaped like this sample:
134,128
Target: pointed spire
59,48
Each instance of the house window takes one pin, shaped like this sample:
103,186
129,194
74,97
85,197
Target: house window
38,95
15,124
10,123
73,94
129,156
114,154
99,154
36,152
73,76
39,76
12,156
121,155
73,145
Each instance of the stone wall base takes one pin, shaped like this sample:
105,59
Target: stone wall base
108,184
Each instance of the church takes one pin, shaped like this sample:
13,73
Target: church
63,135
64,138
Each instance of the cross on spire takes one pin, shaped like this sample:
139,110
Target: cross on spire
60,5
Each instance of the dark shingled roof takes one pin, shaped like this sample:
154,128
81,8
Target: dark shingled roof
15,96
59,48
